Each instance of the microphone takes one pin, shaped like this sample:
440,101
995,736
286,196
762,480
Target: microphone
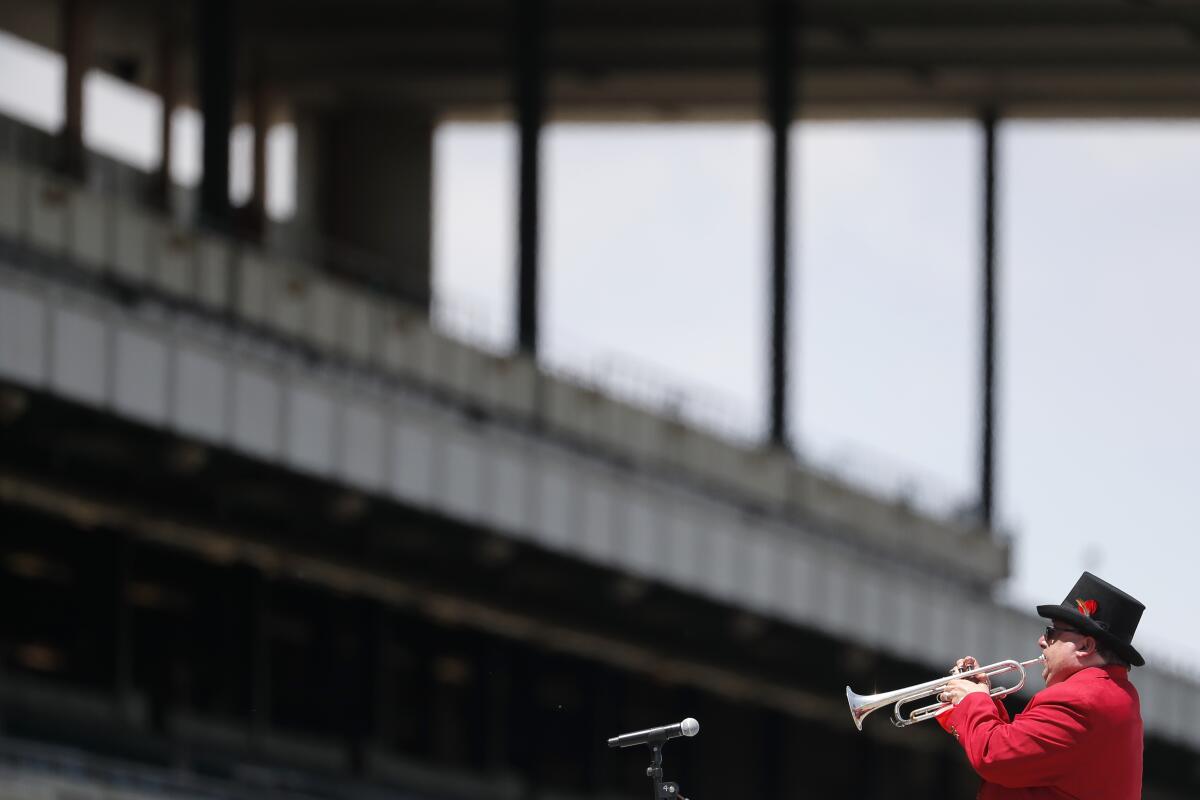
689,727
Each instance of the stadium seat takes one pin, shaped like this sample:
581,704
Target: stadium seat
49,201
12,190
289,300
90,230
356,334
131,251
212,272
327,308
252,279
173,254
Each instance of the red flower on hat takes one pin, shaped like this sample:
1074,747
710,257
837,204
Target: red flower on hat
1086,607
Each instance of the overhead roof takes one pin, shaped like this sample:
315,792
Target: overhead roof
699,59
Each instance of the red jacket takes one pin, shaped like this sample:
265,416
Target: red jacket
1081,738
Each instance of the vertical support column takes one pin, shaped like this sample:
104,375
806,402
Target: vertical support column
529,41
780,21
76,27
256,210
987,448
168,92
215,54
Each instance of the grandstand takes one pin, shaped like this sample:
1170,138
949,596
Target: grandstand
270,533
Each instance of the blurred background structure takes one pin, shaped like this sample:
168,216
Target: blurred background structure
268,532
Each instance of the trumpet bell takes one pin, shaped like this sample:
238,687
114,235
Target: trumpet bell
860,706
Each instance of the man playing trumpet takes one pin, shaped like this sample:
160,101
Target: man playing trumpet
1081,736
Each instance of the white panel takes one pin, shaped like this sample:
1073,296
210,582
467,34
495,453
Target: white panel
1019,635
682,565
256,406
48,213
510,491
201,394
404,344
1187,724
12,183
945,627
1152,688
598,519
641,534
363,449
356,331
1163,715
327,308
78,365
722,556
852,598
140,389
439,361
470,371
976,637
553,504
797,589
760,579
643,434
288,298
131,253
412,460
936,647
512,384
22,337
563,407
906,631
212,272
253,277
817,590
174,256
310,429
1182,723
461,487
874,616
837,578
89,230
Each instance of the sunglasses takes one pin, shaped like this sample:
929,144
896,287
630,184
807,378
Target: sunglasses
1051,633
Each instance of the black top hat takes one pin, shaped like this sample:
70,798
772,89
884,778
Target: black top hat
1101,610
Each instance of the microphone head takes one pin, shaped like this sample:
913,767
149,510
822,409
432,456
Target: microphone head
689,727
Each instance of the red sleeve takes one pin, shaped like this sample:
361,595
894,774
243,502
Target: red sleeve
945,719
1035,749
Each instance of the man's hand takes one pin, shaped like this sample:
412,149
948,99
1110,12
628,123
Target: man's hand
967,663
959,688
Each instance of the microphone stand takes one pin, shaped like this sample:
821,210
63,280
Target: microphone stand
660,789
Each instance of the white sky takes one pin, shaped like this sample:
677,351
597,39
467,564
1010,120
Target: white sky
654,280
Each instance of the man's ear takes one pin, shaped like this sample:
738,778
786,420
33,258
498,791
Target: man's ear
1087,647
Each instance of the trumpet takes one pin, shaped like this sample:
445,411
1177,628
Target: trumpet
862,705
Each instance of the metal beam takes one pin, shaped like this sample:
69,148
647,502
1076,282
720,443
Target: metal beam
76,32
987,447
215,51
168,91
530,78
780,98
